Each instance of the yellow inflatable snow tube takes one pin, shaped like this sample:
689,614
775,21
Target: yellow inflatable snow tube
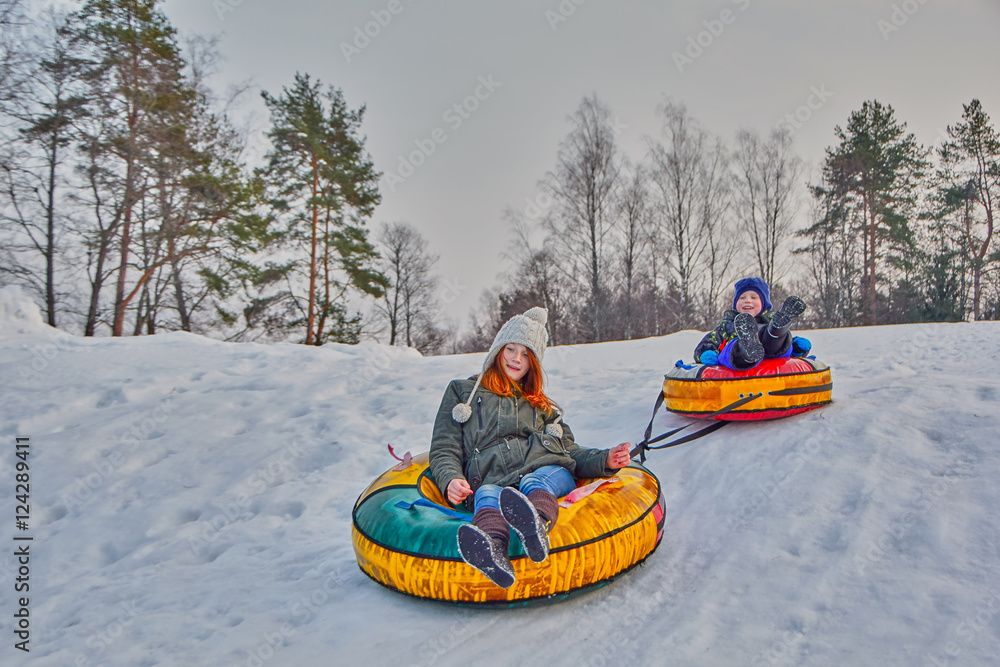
405,538
774,388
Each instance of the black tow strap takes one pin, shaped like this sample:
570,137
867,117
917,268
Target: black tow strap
643,446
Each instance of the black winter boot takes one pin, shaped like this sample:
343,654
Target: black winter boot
749,347
483,545
526,522
783,320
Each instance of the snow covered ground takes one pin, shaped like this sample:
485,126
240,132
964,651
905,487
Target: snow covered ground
191,505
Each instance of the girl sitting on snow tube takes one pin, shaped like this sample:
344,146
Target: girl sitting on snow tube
749,332
504,455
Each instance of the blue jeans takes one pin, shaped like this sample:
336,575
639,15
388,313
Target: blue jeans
555,479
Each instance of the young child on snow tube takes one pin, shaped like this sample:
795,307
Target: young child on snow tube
504,454
749,332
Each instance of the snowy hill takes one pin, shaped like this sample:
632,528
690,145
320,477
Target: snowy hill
190,504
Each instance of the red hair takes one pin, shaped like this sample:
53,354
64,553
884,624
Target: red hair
495,379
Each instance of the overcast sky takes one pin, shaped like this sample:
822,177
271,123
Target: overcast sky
518,69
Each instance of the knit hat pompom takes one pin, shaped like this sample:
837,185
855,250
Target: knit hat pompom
538,314
461,412
754,285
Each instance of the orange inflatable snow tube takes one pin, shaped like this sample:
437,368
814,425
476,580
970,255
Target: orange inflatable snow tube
775,388
405,537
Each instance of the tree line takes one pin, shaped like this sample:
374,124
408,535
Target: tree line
129,206
620,248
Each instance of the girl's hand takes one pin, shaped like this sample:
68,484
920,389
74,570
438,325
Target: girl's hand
618,457
458,490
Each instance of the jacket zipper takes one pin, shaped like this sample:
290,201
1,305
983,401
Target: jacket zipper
514,407
479,411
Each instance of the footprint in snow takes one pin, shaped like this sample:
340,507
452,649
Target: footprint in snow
111,397
212,553
289,510
187,516
988,394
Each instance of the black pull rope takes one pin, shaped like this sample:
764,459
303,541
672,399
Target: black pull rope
641,448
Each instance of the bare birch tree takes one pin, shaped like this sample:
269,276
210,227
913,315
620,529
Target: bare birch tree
634,223
408,305
582,220
690,203
766,176
537,279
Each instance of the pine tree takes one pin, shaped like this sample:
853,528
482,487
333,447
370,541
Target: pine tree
137,88
969,192
874,172
322,186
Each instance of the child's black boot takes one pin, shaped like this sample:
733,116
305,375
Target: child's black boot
483,545
526,519
748,345
783,320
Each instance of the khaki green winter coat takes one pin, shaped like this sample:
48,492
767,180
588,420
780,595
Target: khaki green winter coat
503,441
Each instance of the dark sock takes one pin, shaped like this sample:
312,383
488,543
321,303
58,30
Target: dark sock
491,521
546,505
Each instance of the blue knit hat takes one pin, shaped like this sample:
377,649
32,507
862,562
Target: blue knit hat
755,285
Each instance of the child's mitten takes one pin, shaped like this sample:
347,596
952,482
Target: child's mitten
800,346
709,357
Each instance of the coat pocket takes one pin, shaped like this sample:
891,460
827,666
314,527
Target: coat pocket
473,470
546,442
